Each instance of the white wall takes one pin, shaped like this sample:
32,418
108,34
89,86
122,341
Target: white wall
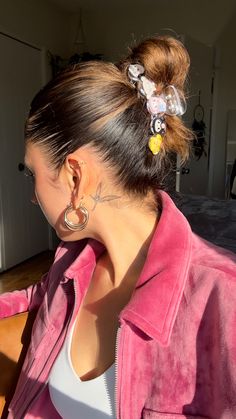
200,81
226,100
37,22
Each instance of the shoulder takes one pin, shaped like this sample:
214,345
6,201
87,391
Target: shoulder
65,255
213,259
212,273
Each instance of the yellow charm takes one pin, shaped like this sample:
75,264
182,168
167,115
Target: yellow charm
154,143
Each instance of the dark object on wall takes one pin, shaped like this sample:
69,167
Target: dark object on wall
58,63
199,129
233,181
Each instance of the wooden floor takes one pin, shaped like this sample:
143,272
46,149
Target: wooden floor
26,273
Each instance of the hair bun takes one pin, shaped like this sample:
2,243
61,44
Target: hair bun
165,59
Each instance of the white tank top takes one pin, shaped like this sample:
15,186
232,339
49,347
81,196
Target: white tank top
76,399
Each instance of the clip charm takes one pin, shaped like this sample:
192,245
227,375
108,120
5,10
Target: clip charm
175,105
169,102
155,143
147,87
156,105
158,125
135,71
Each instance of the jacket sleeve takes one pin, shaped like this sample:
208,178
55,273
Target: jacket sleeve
23,300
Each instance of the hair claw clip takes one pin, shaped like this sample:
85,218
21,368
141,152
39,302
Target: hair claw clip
169,102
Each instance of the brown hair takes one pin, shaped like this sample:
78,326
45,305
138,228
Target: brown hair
95,103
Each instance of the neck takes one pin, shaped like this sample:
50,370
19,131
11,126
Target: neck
126,233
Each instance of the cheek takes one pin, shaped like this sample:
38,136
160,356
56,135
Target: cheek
45,207
52,203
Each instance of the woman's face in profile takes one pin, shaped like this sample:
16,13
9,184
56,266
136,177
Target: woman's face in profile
51,189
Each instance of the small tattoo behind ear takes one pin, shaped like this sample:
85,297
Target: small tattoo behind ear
98,198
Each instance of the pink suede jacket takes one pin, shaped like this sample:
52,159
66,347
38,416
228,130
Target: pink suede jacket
176,349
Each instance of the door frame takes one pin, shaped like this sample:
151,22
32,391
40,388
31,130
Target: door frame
213,130
44,78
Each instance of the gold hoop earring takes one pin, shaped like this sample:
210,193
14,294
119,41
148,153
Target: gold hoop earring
76,226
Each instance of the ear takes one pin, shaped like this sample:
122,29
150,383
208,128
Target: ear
78,178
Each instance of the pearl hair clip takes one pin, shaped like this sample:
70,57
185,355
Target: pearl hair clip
169,102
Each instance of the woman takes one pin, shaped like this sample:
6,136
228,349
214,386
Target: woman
136,317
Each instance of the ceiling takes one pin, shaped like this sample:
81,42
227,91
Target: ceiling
76,5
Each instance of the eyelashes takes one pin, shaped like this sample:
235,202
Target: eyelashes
29,174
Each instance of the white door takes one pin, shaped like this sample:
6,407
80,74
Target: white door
23,229
194,175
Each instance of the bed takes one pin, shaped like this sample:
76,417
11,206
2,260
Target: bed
211,218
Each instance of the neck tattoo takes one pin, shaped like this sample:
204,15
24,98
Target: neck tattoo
98,198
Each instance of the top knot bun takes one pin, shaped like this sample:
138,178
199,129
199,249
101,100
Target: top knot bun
165,59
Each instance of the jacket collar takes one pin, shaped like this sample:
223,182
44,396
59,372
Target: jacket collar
155,302
156,298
